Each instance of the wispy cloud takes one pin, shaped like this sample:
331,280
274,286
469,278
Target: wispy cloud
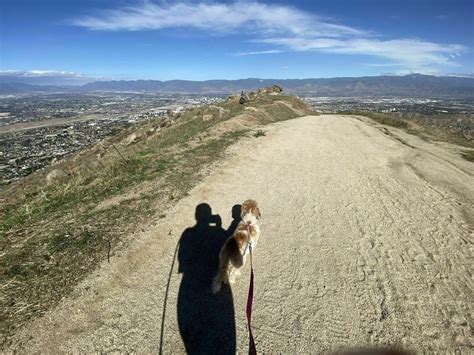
270,51
284,28
239,15
40,73
412,53
45,77
385,65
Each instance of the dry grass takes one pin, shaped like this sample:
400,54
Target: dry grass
259,133
427,129
468,155
52,236
383,118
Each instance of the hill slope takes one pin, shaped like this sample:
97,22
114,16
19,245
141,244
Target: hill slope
59,224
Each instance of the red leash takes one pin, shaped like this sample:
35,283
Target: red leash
252,347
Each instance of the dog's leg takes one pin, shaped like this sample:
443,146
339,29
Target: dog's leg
236,261
222,274
233,275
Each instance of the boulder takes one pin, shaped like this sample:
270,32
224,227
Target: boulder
88,165
277,89
207,118
133,138
55,175
223,112
251,108
272,90
235,97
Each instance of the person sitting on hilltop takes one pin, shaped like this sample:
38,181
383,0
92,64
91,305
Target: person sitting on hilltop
242,99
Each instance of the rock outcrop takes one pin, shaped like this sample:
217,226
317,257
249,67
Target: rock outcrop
55,175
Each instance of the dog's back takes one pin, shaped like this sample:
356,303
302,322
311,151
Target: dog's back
233,253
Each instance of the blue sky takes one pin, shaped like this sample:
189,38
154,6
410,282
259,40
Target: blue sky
77,41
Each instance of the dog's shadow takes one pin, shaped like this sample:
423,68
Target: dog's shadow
206,321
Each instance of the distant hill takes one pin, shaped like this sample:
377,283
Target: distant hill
7,88
417,85
412,85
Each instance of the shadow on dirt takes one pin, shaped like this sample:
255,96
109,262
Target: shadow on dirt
206,321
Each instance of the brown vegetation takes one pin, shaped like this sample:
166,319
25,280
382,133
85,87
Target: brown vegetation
458,129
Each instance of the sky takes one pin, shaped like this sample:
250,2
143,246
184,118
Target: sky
72,42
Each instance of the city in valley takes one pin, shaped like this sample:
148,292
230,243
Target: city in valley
39,129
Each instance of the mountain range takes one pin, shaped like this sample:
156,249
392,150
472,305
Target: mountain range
417,85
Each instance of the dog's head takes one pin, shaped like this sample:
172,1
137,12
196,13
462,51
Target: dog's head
250,212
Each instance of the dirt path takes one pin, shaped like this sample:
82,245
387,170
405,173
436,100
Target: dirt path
366,240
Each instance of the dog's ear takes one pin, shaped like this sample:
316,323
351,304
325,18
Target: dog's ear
250,206
243,212
245,208
259,214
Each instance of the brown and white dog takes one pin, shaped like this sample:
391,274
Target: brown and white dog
233,254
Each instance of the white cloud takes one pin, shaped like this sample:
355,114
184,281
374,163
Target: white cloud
211,16
385,65
412,53
45,77
41,73
285,28
270,51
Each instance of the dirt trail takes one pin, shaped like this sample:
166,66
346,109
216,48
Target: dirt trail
366,240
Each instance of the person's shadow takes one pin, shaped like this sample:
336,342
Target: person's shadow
206,321
236,211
